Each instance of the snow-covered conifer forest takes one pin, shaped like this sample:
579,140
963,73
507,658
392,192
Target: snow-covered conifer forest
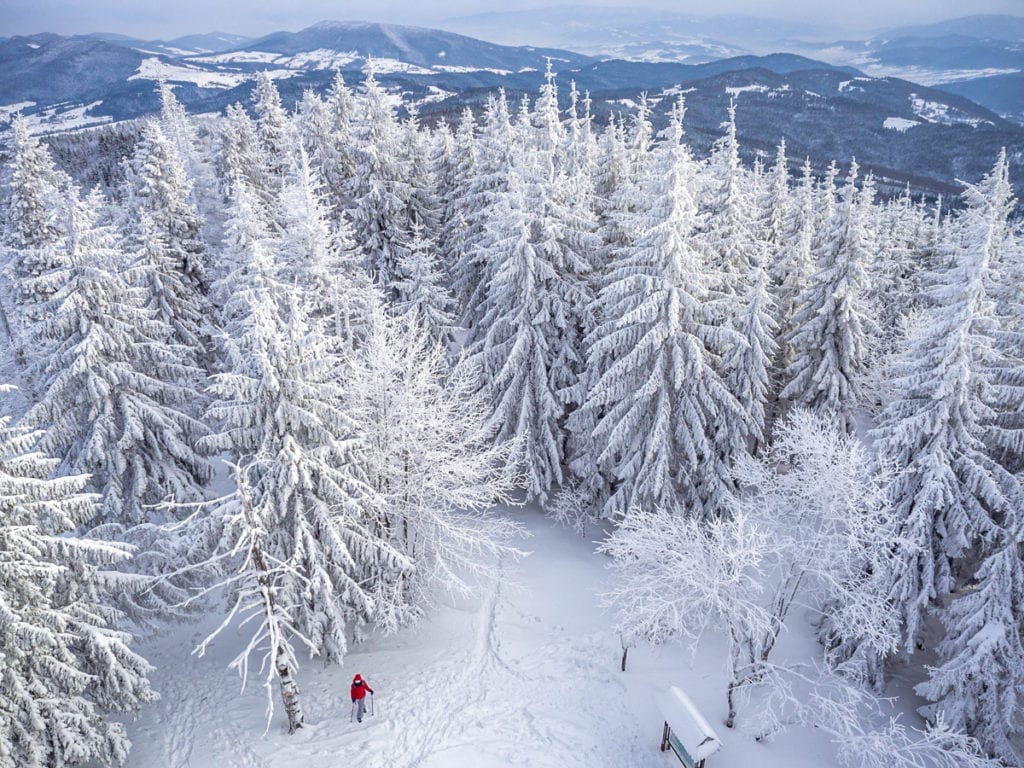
284,391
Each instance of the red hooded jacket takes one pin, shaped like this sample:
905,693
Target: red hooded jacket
359,688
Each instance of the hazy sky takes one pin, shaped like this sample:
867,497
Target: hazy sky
170,18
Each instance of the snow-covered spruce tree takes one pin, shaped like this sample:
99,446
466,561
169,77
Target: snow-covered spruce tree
455,177
894,286
422,295
659,401
183,133
514,339
318,257
433,464
312,126
729,211
30,234
239,156
325,129
801,537
302,524
496,151
612,163
776,204
424,207
791,270
274,132
949,495
161,229
628,167
581,148
64,664
335,158
564,228
246,255
622,177
978,686
111,400
831,325
381,188
988,220
748,365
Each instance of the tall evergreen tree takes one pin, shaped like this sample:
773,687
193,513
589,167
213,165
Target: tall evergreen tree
66,666
950,494
514,340
658,400
162,230
305,521
113,394
978,686
421,291
381,188
496,150
30,232
320,257
832,327
274,131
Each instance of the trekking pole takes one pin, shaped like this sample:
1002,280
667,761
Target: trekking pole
352,714
371,705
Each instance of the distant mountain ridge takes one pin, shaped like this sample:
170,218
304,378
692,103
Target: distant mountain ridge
984,26
903,130
960,50
413,45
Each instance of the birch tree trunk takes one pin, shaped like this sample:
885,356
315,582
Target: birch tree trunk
289,692
289,688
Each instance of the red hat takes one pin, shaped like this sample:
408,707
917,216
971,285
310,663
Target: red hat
357,677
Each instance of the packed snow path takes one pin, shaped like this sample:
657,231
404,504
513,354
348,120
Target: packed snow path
526,674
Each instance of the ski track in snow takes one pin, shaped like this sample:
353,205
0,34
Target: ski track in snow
447,710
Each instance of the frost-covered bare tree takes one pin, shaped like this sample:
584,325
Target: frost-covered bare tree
805,531
430,456
861,725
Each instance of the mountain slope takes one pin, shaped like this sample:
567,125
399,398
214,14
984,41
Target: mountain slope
412,45
49,69
1003,94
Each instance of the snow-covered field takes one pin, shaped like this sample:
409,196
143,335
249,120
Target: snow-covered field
524,675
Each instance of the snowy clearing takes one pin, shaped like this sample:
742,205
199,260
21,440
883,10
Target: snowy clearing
240,57
155,69
65,118
900,124
735,92
7,111
938,112
527,674
464,69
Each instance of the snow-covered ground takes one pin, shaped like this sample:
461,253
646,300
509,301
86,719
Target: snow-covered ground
524,675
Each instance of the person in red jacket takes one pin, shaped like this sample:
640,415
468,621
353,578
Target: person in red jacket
359,689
